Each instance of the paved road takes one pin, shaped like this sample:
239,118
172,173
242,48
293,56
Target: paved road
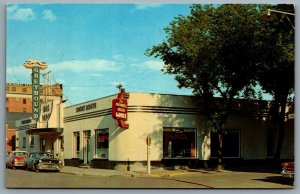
27,179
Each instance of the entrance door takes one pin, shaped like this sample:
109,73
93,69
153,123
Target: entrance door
42,144
86,146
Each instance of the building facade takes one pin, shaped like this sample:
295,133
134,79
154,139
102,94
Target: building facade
89,134
177,130
19,107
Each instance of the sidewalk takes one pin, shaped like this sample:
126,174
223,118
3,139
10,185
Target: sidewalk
156,172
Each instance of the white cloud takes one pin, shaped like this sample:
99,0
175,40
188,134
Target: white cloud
49,15
94,66
152,65
146,6
14,12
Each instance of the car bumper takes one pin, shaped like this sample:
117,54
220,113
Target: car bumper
18,164
49,167
287,174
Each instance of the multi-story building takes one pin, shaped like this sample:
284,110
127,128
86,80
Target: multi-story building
19,105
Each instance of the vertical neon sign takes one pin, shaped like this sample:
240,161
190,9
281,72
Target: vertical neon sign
35,92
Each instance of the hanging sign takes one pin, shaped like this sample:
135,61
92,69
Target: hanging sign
119,109
46,110
36,66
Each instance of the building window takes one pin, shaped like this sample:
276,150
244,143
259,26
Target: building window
13,89
179,143
17,142
24,90
231,143
31,140
24,142
24,100
101,143
24,109
7,89
76,144
7,100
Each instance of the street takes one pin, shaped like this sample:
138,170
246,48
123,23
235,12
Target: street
27,179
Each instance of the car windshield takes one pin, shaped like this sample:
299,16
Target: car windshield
39,155
20,154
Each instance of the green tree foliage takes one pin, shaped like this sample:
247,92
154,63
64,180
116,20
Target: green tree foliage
223,51
213,52
276,65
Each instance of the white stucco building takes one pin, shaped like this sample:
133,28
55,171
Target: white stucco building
175,123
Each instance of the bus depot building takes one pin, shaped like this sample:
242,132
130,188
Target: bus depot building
95,133
176,126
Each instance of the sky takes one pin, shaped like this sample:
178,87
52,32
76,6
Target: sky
90,48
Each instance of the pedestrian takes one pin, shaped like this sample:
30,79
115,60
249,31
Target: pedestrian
61,157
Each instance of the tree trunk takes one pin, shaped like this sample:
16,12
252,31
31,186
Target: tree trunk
220,165
281,128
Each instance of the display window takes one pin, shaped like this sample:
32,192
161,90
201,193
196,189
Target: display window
179,143
101,140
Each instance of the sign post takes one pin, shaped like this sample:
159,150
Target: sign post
148,142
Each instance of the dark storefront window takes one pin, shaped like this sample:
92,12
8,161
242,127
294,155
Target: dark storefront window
179,143
76,139
101,143
231,143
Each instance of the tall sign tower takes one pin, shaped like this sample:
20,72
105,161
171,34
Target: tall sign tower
36,66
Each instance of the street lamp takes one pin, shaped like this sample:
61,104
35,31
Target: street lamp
282,12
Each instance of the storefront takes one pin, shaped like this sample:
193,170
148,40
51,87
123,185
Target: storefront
93,132
45,134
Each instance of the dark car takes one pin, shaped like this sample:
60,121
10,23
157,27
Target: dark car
16,159
38,161
288,169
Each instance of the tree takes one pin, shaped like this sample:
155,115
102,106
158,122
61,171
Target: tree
276,65
213,52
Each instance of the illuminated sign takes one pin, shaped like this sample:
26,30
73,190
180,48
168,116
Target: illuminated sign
35,92
119,109
36,66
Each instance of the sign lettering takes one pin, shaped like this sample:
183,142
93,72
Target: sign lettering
35,92
86,107
119,109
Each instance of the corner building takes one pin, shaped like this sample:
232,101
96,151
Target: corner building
177,129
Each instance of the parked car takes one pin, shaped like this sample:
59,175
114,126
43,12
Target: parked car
38,161
16,159
288,169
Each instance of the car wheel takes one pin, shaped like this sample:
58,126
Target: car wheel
13,167
26,168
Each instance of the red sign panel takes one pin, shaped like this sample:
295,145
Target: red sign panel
119,109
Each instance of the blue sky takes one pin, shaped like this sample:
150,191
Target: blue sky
90,48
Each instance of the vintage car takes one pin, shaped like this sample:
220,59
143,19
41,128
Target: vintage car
288,169
16,159
38,161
